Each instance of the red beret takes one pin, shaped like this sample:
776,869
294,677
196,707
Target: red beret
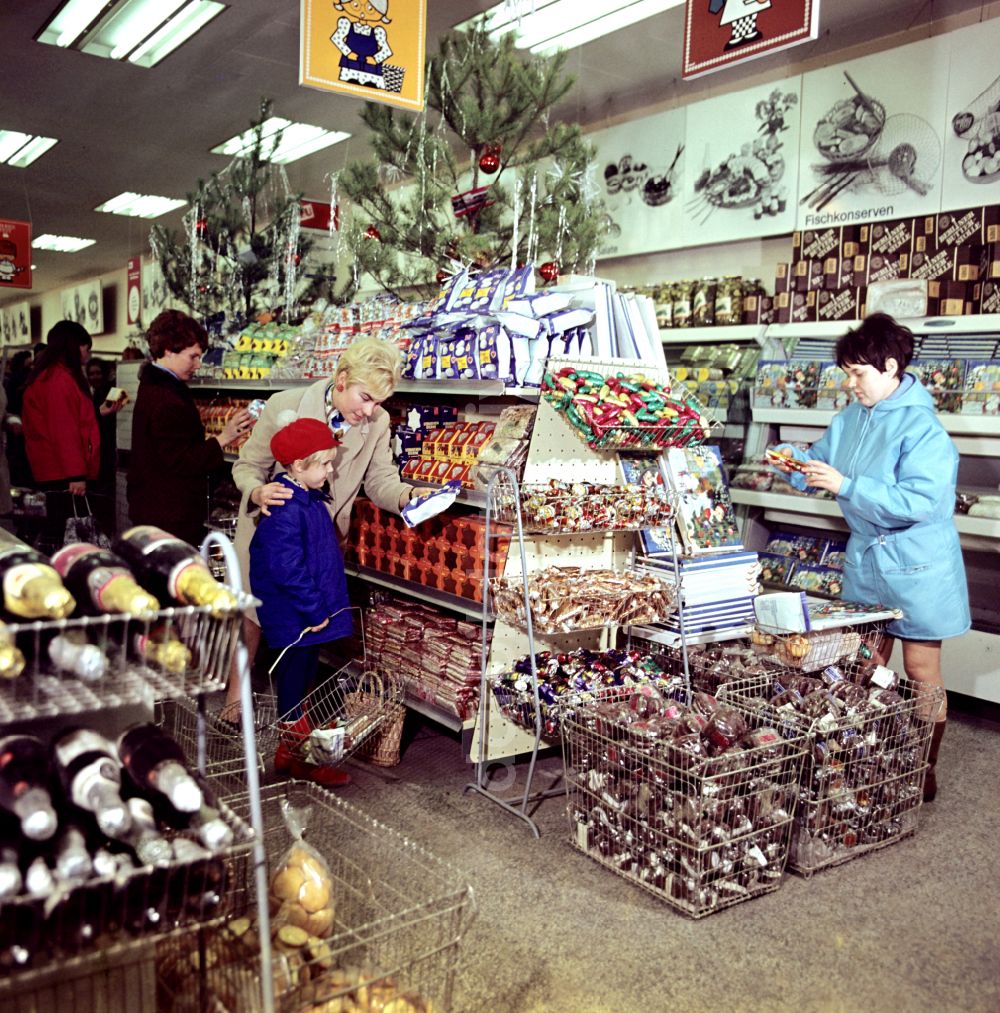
299,439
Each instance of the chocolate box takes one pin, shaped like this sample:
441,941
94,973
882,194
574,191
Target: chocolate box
886,266
933,264
891,237
815,244
842,304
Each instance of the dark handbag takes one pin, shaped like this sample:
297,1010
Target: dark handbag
83,527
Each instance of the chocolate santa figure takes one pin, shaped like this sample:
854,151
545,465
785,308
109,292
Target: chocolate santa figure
363,41
741,16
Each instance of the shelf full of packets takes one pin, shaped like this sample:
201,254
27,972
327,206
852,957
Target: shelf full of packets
103,843
92,627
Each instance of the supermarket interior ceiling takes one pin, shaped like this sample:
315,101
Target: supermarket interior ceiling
123,127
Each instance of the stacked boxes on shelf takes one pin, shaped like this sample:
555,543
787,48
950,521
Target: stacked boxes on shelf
956,252
448,453
446,553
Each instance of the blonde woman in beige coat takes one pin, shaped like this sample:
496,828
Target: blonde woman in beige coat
367,374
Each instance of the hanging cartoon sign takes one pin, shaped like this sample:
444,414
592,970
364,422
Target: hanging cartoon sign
719,33
372,49
15,254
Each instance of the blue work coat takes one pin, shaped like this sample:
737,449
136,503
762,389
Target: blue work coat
898,498
297,571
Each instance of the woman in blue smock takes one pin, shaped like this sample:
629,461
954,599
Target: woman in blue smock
893,468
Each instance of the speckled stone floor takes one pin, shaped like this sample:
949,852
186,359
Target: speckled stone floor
911,927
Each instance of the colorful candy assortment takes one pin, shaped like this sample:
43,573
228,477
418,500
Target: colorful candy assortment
613,412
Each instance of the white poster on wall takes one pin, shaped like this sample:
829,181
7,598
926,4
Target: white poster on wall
872,136
741,164
83,304
639,170
15,322
972,131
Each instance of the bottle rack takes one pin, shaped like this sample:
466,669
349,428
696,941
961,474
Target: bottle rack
39,693
552,453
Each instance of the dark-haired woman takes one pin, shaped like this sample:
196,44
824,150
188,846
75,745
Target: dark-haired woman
61,437
171,458
893,467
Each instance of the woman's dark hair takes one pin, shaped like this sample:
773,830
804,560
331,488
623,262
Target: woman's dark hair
63,344
877,339
173,331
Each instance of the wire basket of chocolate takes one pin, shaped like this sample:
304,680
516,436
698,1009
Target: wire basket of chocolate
692,802
868,733
561,599
620,411
808,652
559,506
565,680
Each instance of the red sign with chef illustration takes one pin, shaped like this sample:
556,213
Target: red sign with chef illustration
15,254
719,33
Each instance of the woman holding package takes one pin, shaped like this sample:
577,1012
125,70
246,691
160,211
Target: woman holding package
350,403
893,468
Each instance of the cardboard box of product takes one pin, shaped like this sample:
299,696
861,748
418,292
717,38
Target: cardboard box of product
955,298
933,264
758,309
815,244
782,277
988,296
853,240
803,307
991,223
891,237
949,228
989,261
842,304
886,266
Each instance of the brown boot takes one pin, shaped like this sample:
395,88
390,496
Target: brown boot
930,780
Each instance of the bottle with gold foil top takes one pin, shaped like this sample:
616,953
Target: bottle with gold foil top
172,569
161,648
101,582
32,589
11,658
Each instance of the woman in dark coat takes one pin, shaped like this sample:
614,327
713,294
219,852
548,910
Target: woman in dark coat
171,459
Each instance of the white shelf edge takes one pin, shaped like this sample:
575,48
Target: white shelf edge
702,335
956,425
669,638
977,324
782,501
428,710
467,607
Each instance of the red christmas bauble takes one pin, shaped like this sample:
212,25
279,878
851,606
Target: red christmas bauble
549,270
201,225
442,276
372,233
297,259
490,162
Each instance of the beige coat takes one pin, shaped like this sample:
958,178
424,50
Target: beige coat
364,458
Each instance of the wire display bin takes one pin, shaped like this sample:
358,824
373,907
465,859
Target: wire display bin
224,766
692,803
868,734
398,918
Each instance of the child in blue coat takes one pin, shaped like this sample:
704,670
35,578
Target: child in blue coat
297,572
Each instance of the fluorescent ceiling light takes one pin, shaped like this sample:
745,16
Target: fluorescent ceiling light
61,244
297,140
140,31
544,26
139,205
19,149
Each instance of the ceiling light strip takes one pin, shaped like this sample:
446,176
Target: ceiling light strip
176,32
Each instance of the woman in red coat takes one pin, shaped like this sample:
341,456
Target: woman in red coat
61,437
171,459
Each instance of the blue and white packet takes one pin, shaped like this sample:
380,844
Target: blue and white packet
430,504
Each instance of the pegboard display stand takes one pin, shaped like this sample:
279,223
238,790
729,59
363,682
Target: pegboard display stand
554,452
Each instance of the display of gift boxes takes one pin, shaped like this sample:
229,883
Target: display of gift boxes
437,655
957,253
216,413
692,801
807,562
956,385
446,552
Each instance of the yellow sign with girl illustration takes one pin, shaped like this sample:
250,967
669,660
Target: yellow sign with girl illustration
372,49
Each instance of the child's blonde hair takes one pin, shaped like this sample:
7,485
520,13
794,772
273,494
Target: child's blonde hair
318,457
372,362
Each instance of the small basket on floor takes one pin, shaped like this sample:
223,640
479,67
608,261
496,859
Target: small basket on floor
382,747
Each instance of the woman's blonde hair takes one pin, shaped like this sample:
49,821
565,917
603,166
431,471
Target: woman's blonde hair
372,362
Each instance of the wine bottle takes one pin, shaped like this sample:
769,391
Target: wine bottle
71,652
31,588
156,763
144,837
70,855
10,866
24,774
101,582
206,823
38,878
172,569
88,770
11,659
160,647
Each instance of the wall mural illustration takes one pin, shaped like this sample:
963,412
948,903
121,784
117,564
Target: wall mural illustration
872,136
742,164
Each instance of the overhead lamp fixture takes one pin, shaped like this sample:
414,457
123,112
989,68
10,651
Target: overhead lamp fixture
140,205
61,244
142,32
297,140
19,149
544,26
